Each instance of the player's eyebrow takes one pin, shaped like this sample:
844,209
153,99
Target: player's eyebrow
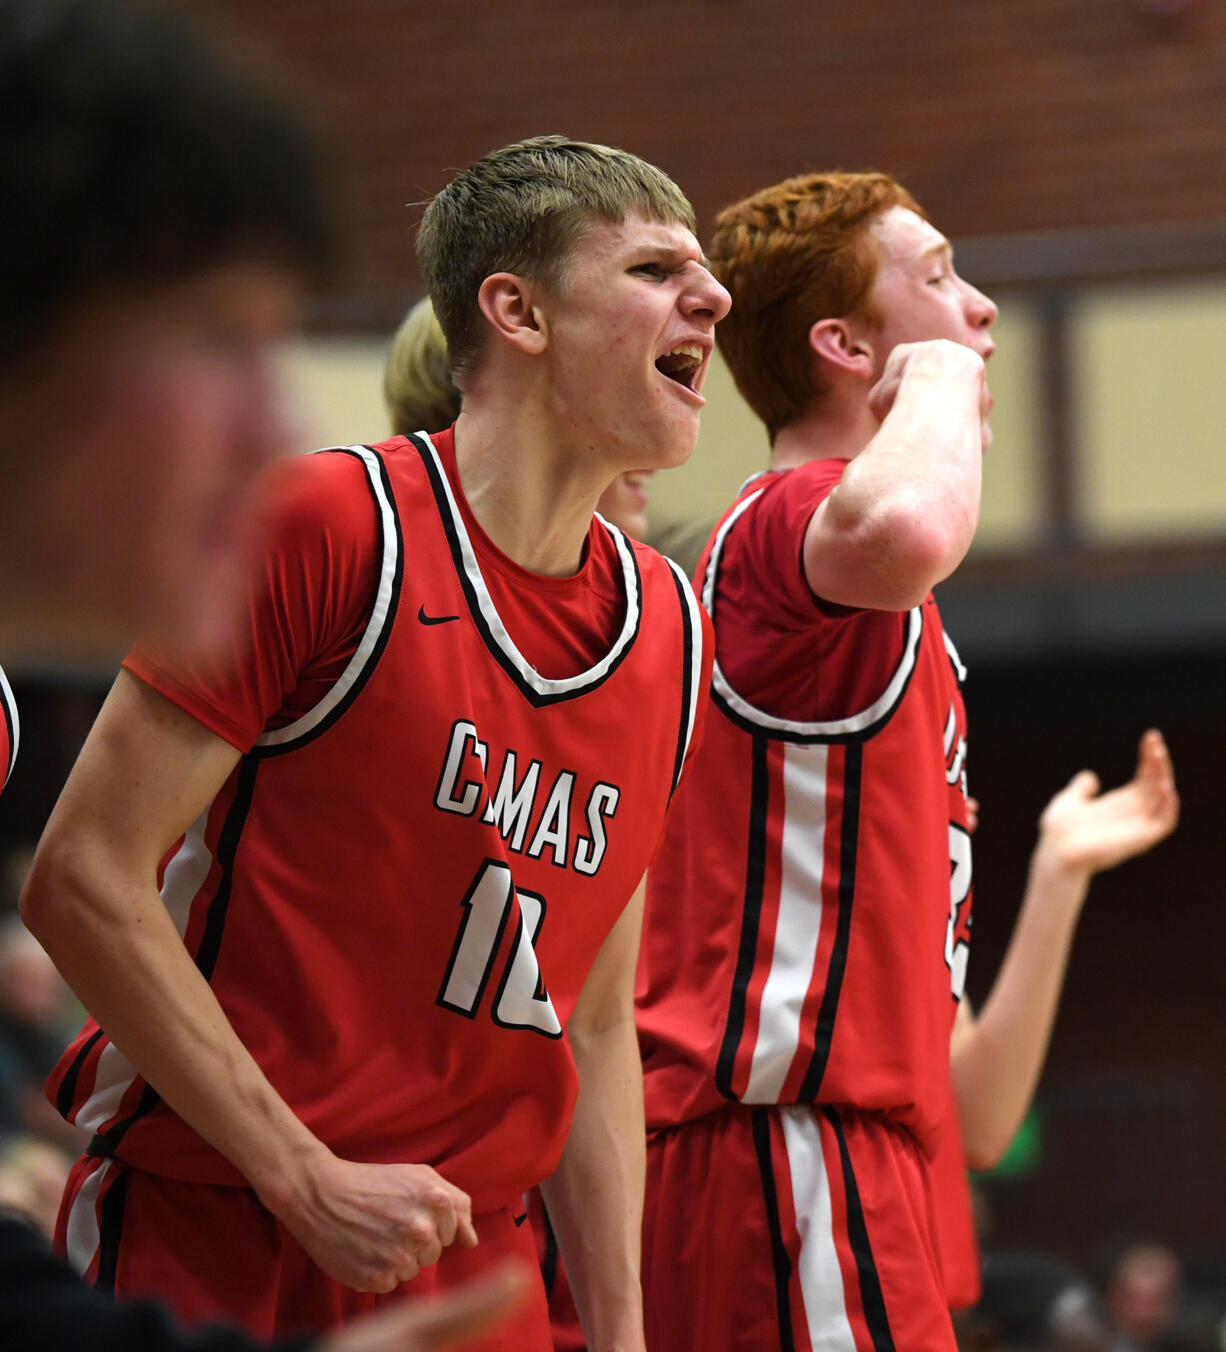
942,248
675,253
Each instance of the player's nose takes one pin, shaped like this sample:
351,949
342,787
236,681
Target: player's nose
981,310
706,297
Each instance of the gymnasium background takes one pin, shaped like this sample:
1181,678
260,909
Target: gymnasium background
1075,151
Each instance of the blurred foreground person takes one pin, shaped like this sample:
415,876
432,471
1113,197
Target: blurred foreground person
45,1307
162,213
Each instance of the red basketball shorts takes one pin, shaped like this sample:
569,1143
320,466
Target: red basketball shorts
215,1253
791,1229
563,1317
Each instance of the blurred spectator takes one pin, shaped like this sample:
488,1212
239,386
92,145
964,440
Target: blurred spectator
32,1177
1032,1302
35,1027
1142,1296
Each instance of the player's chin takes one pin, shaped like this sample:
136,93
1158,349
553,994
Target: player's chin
677,444
985,429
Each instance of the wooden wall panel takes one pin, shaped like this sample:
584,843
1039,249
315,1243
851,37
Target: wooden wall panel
1002,115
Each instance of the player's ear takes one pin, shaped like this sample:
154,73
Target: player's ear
843,345
506,302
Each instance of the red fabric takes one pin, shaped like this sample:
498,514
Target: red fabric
809,869
9,729
780,646
296,637
955,1218
232,1260
808,911
328,894
792,1270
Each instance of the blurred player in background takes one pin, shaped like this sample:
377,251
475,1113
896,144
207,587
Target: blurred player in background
163,213
808,920
413,822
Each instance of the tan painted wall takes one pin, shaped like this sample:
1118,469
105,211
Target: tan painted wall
337,393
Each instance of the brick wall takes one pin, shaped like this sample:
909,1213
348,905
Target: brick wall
1000,114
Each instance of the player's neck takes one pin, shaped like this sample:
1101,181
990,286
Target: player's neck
524,488
833,431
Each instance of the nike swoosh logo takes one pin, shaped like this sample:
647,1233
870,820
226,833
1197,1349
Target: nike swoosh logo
433,619
519,1220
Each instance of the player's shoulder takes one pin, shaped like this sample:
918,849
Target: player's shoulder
325,492
807,483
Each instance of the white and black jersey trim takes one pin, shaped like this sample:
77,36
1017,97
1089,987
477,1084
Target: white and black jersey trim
691,672
12,724
954,660
378,628
855,727
537,689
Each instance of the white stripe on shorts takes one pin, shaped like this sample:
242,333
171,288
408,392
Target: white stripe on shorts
83,1237
818,1271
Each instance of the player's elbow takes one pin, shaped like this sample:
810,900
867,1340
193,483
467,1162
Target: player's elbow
981,1155
903,559
56,891
921,549
984,1143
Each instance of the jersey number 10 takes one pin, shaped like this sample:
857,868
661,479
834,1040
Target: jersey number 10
521,1000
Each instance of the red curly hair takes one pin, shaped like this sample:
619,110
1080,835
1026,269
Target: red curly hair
790,255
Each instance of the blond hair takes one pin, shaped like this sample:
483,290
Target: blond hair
417,386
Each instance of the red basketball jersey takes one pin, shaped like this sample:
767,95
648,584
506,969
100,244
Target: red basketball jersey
808,913
10,729
398,894
954,1211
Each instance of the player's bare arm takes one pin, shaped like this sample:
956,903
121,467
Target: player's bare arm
146,772
905,512
595,1198
996,1058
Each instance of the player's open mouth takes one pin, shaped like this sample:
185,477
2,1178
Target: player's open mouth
682,364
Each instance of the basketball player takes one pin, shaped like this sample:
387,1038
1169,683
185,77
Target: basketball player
420,396
808,920
396,944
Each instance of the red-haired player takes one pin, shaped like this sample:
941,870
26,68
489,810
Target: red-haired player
808,917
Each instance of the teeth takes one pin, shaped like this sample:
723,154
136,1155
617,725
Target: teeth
691,350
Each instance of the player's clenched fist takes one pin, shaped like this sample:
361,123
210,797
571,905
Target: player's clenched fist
939,361
373,1226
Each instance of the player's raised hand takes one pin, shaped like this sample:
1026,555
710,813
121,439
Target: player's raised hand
1088,831
373,1226
938,360
433,1324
